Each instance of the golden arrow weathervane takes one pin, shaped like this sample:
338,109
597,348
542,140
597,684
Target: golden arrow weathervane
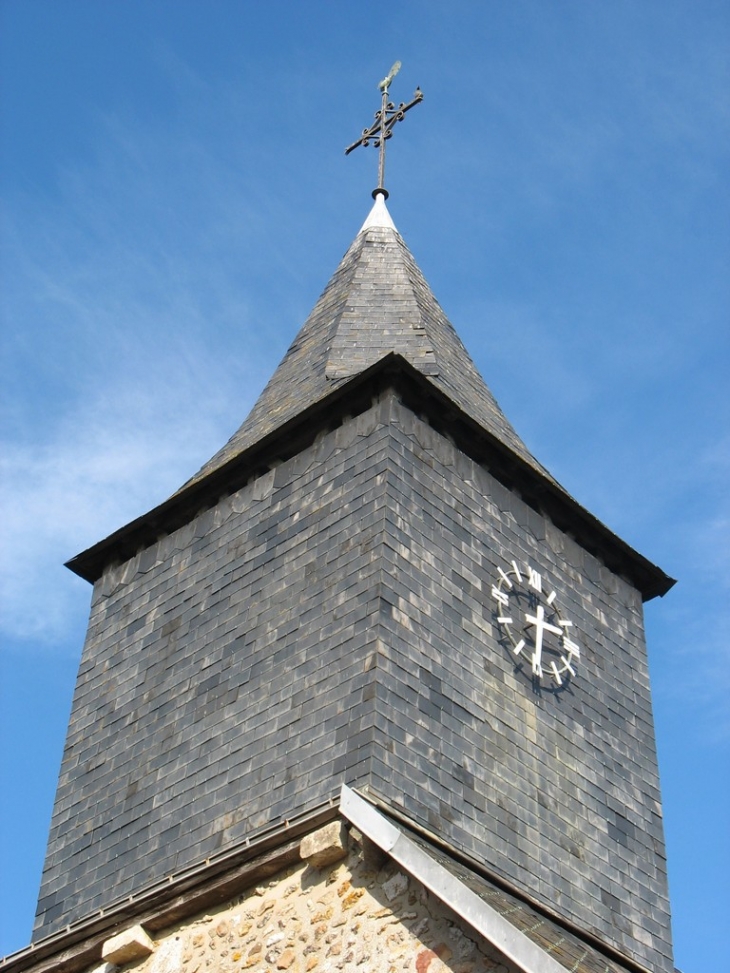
382,128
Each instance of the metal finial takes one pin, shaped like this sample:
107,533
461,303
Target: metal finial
382,129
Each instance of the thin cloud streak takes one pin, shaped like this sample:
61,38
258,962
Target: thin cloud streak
104,465
125,323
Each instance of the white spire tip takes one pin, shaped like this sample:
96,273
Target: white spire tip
378,215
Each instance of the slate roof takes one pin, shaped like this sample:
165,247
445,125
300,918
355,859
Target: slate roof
376,303
377,315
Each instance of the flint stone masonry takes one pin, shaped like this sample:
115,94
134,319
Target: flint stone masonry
127,946
327,920
332,622
326,845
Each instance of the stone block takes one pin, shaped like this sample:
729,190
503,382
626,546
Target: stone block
129,945
325,846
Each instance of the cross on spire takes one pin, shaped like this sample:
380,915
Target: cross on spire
382,128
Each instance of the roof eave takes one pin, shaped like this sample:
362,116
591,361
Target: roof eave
351,398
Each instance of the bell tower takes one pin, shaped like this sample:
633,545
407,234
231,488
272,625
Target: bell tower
373,583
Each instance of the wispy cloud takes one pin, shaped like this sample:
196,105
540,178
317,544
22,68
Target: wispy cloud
119,309
104,463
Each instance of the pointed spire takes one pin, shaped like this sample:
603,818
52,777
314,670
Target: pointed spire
376,303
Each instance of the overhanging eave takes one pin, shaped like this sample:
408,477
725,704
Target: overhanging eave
419,394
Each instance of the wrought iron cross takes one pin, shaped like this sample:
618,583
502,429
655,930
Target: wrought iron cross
382,128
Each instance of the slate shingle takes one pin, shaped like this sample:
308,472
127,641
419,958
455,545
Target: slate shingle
376,302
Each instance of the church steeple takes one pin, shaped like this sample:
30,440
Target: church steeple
363,588
377,303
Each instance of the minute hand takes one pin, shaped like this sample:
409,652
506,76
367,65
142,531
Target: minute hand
538,620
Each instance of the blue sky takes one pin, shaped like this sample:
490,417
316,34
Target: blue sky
175,195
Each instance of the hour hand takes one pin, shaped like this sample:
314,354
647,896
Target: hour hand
541,626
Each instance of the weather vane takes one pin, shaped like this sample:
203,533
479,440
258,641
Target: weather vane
382,128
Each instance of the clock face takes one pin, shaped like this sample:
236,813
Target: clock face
539,638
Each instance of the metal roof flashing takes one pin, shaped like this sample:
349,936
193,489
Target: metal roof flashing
495,928
524,933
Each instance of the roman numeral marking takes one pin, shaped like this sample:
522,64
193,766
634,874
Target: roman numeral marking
500,597
504,578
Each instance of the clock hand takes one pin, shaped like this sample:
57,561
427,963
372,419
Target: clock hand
538,620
